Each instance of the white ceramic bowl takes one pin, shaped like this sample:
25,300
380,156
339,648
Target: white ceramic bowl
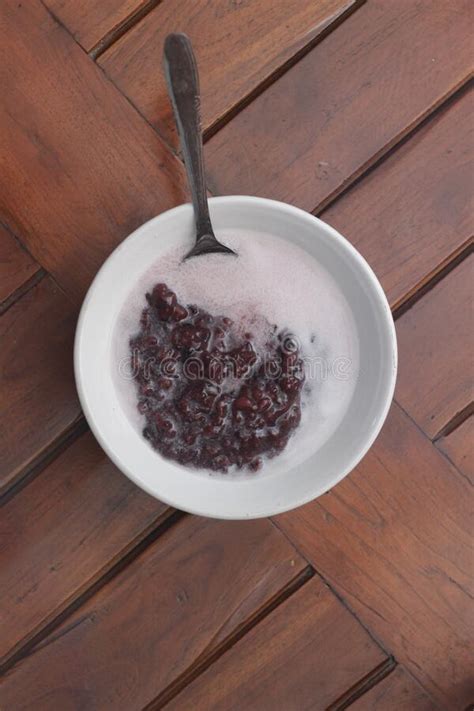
220,496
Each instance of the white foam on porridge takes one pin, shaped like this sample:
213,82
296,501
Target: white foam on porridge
272,281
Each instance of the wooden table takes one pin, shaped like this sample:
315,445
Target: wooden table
361,113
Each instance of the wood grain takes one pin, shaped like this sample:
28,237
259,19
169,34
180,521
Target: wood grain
238,46
16,265
409,216
303,656
39,398
459,447
435,341
195,586
395,540
61,533
89,21
81,169
345,103
397,692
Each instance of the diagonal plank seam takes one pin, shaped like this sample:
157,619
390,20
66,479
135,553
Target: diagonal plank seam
332,23
455,422
15,237
61,24
153,3
379,674
165,521
336,594
205,660
455,94
45,637
22,290
45,457
52,450
122,28
454,466
427,437
171,149
431,280
364,685
66,29
339,596
30,282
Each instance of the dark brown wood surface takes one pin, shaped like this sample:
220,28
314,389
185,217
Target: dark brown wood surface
16,266
303,656
397,692
344,104
78,204
458,446
173,605
412,215
90,21
44,570
108,599
437,336
250,42
395,540
39,401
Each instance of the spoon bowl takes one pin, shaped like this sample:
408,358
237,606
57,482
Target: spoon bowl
208,244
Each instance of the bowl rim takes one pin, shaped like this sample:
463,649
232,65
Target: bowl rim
383,406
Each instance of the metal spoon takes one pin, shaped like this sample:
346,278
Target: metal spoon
183,88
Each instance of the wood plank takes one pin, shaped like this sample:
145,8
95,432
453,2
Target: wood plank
320,646
39,398
238,47
81,170
174,604
459,447
435,341
16,265
89,21
410,215
397,692
345,103
62,533
395,540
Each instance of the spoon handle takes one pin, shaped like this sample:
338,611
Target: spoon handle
183,87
